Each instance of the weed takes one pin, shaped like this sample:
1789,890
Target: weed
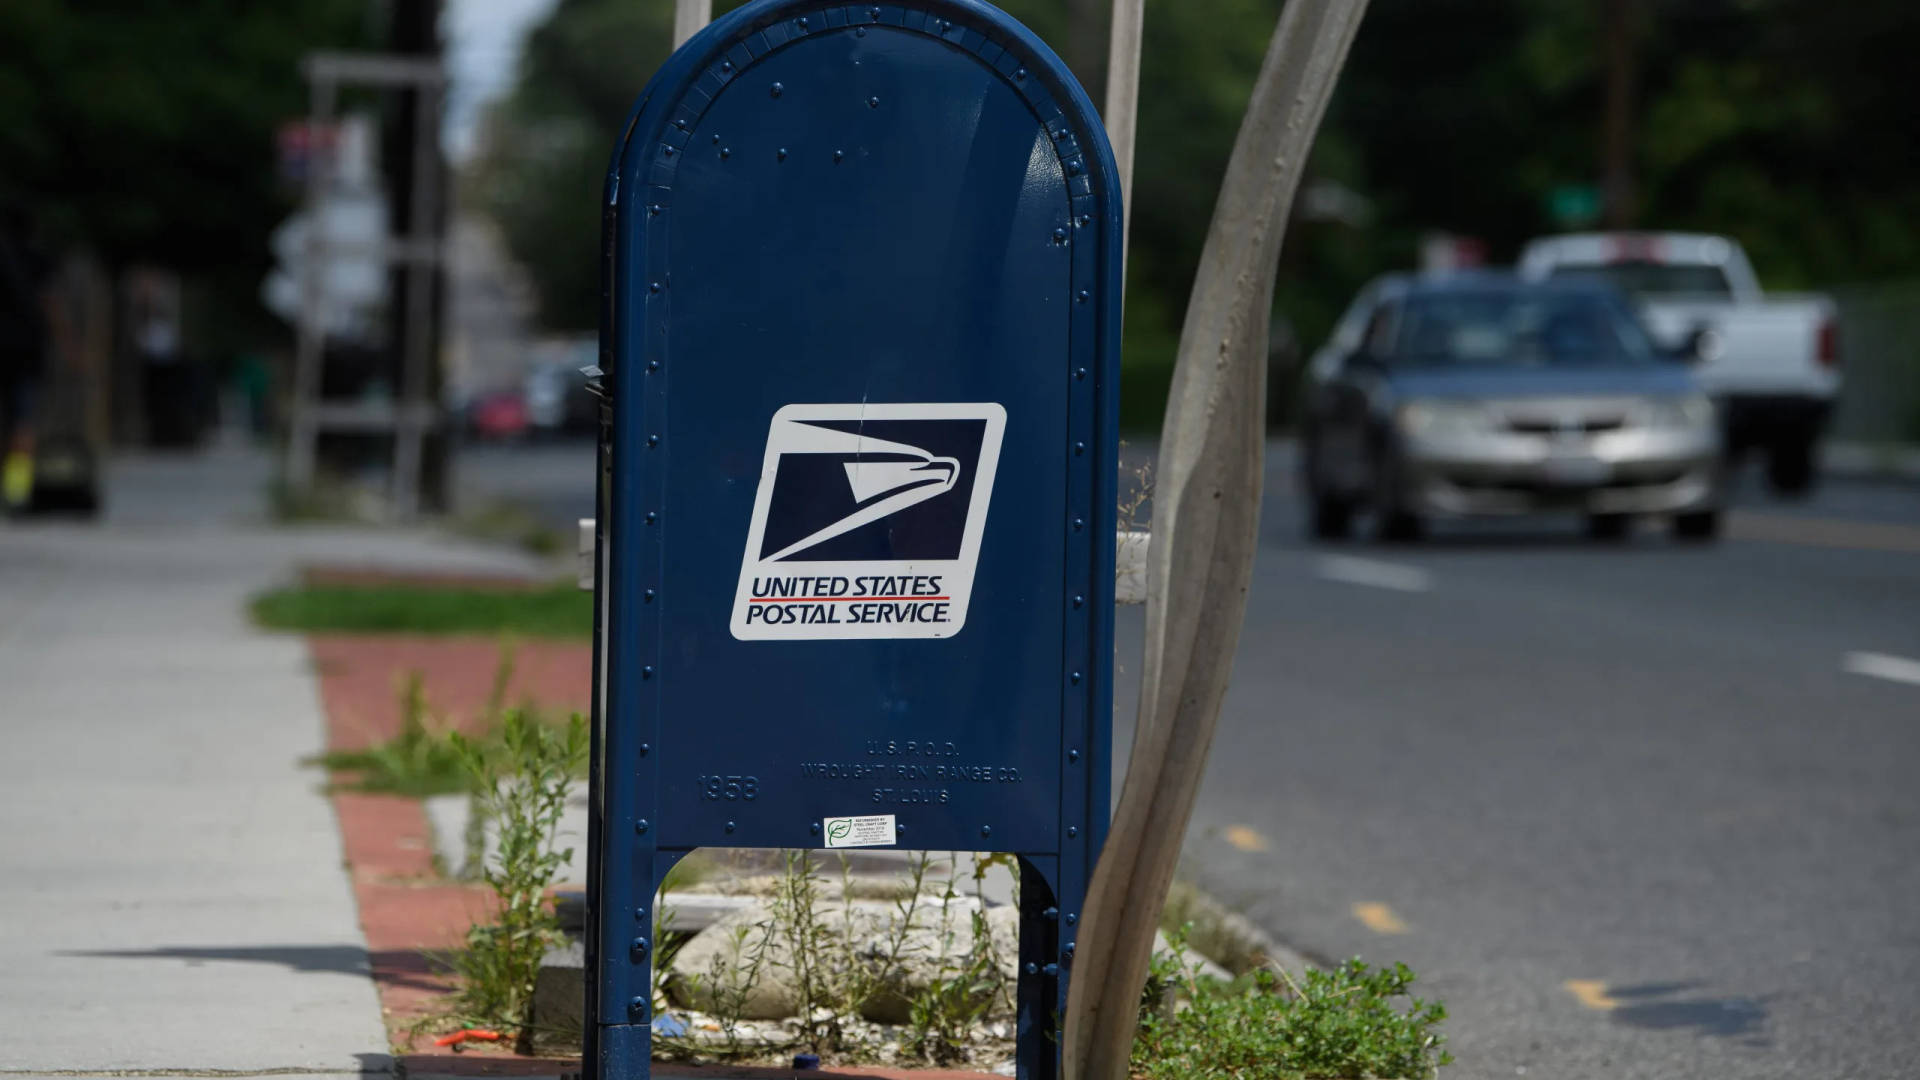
960,996
881,974
504,522
1166,974
810,951
423,760
523,781
473,841
1269,1026
1135,509
329,498
420,761
731,977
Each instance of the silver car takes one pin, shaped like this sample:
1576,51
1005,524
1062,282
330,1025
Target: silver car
1484,395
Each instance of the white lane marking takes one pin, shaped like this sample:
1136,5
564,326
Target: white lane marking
1380,575
1881,666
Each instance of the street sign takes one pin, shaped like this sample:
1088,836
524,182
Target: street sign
1573,206
857,492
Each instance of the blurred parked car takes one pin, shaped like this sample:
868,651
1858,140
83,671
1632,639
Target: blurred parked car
557,398
66,475
1486,395
1773,364
501,414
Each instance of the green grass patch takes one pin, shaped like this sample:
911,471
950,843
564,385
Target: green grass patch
557,611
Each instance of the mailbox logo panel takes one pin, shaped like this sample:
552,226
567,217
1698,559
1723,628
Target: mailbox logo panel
867,521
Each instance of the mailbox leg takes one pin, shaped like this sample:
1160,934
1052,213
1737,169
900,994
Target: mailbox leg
1042,980
626,1052
622,1051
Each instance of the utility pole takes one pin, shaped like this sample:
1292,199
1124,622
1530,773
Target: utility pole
416,251
1620,19
417,180
689,18
1122,114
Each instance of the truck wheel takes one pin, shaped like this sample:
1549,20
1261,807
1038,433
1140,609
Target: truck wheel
1700,526
1609,526
1330,518
1398,526
1790,467
1392,522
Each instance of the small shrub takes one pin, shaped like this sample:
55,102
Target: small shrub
523,782
1267,1026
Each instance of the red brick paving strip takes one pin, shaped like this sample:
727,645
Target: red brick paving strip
406,910
362,676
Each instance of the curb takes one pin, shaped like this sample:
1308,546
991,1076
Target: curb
1227,937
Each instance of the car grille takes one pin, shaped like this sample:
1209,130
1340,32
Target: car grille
1556,426
1622,480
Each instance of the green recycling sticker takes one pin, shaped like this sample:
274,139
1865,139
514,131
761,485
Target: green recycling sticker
873,830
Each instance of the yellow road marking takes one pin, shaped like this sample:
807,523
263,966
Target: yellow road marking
1245,837
1823,532
1378,917
1592,993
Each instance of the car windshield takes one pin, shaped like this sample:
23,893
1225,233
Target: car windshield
1519,329
1643,279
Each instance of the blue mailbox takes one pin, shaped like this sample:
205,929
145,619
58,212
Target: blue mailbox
857,471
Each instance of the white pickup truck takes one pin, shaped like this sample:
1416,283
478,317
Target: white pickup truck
1772,364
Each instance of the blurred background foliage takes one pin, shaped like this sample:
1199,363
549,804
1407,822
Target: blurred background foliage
1790,124
145,132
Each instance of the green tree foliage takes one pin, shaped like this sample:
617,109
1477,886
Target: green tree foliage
1783,122
146,131
546,149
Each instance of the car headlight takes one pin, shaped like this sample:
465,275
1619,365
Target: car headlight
1678,413
1433,418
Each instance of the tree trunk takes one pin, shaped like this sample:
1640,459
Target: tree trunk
1616,152
1205,528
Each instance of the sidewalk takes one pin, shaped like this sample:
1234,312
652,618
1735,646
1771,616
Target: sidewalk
171,891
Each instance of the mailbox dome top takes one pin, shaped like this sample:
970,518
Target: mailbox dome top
728,48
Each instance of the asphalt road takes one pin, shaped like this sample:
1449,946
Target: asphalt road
1631,810
1635,810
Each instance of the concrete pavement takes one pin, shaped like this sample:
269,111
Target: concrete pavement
171,889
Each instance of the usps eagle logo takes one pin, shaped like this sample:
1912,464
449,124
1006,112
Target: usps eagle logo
867,521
